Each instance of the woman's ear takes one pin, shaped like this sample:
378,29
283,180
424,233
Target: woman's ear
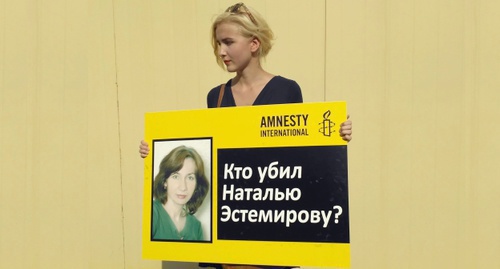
255,45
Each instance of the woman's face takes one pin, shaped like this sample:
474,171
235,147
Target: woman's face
180,185
235,50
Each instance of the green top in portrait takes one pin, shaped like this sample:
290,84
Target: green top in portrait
164,228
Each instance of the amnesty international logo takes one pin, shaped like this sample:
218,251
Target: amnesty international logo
284,125
327,125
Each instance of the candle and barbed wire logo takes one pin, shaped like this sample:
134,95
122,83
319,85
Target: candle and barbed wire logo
327,125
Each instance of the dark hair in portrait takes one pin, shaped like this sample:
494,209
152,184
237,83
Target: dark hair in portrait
172,163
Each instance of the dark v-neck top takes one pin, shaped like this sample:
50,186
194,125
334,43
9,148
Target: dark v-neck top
278,90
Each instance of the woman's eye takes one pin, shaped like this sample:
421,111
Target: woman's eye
191,177
175,176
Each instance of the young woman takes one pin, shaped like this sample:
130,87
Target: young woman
241,38
178,191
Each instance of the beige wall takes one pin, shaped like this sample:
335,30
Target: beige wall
421,78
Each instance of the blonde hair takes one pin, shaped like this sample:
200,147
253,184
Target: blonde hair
251,25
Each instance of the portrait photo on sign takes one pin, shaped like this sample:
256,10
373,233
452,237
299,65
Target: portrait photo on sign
181,190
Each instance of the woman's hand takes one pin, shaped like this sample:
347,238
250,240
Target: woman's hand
144,149
346,130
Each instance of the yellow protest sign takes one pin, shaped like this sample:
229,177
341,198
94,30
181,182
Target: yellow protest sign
248,185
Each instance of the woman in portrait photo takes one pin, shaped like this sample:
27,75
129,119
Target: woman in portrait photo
179,189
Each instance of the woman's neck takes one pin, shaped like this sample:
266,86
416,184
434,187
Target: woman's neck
247,85
251,76
176,212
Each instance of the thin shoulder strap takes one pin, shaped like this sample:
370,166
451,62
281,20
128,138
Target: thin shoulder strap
221,94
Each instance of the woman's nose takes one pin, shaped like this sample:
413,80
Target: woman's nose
222,51
183,184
